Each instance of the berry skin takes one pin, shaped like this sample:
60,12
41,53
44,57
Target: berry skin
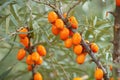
80,58
23,33
39,61
59,24
117,2
68,43
41,50
29,67
71,33
35,56
73,22
21,54
76,39
64,34
24,41
77,78
94,47
55,30
37,76
29,60
98,74
78,49
111,67
52,16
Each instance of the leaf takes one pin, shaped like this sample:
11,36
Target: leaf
4,74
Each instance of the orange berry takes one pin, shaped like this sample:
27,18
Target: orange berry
37,76
98,73
39,61
21,54
59,24
29,67
52,16
55,30
78,49
77,78
65,15
94,47
24,41
76,39
29,60
41,50
80,58
117,2
111,68
73,22
23,32
64,34
35,56
68,43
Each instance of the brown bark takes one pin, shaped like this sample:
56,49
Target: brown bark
116,51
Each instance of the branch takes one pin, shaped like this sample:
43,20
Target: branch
77,3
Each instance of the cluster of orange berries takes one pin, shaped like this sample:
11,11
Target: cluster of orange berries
33,58
70,38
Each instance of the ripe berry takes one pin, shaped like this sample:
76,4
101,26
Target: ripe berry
37,76
80,58
39,61
59,24
73,22
94,47
76,39
29,60
68,43
55,30
23,33
78,49
99,73
77,78
21,54
52,16
24,41
117,2
29,67
35,56
64,34
41,50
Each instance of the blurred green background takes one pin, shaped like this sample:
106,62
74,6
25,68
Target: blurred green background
59,64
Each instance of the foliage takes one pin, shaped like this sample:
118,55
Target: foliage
59,64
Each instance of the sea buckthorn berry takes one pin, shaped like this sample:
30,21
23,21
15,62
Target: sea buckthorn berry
117,2
37,76
73,22
78,49
24,41
21,54
41,50
23,32
98,74
111,67
29,67
59,24
35,56
64,34
52,16
68,43
39,61
94,47
29,60
76,39
77,78
55,30
80,58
